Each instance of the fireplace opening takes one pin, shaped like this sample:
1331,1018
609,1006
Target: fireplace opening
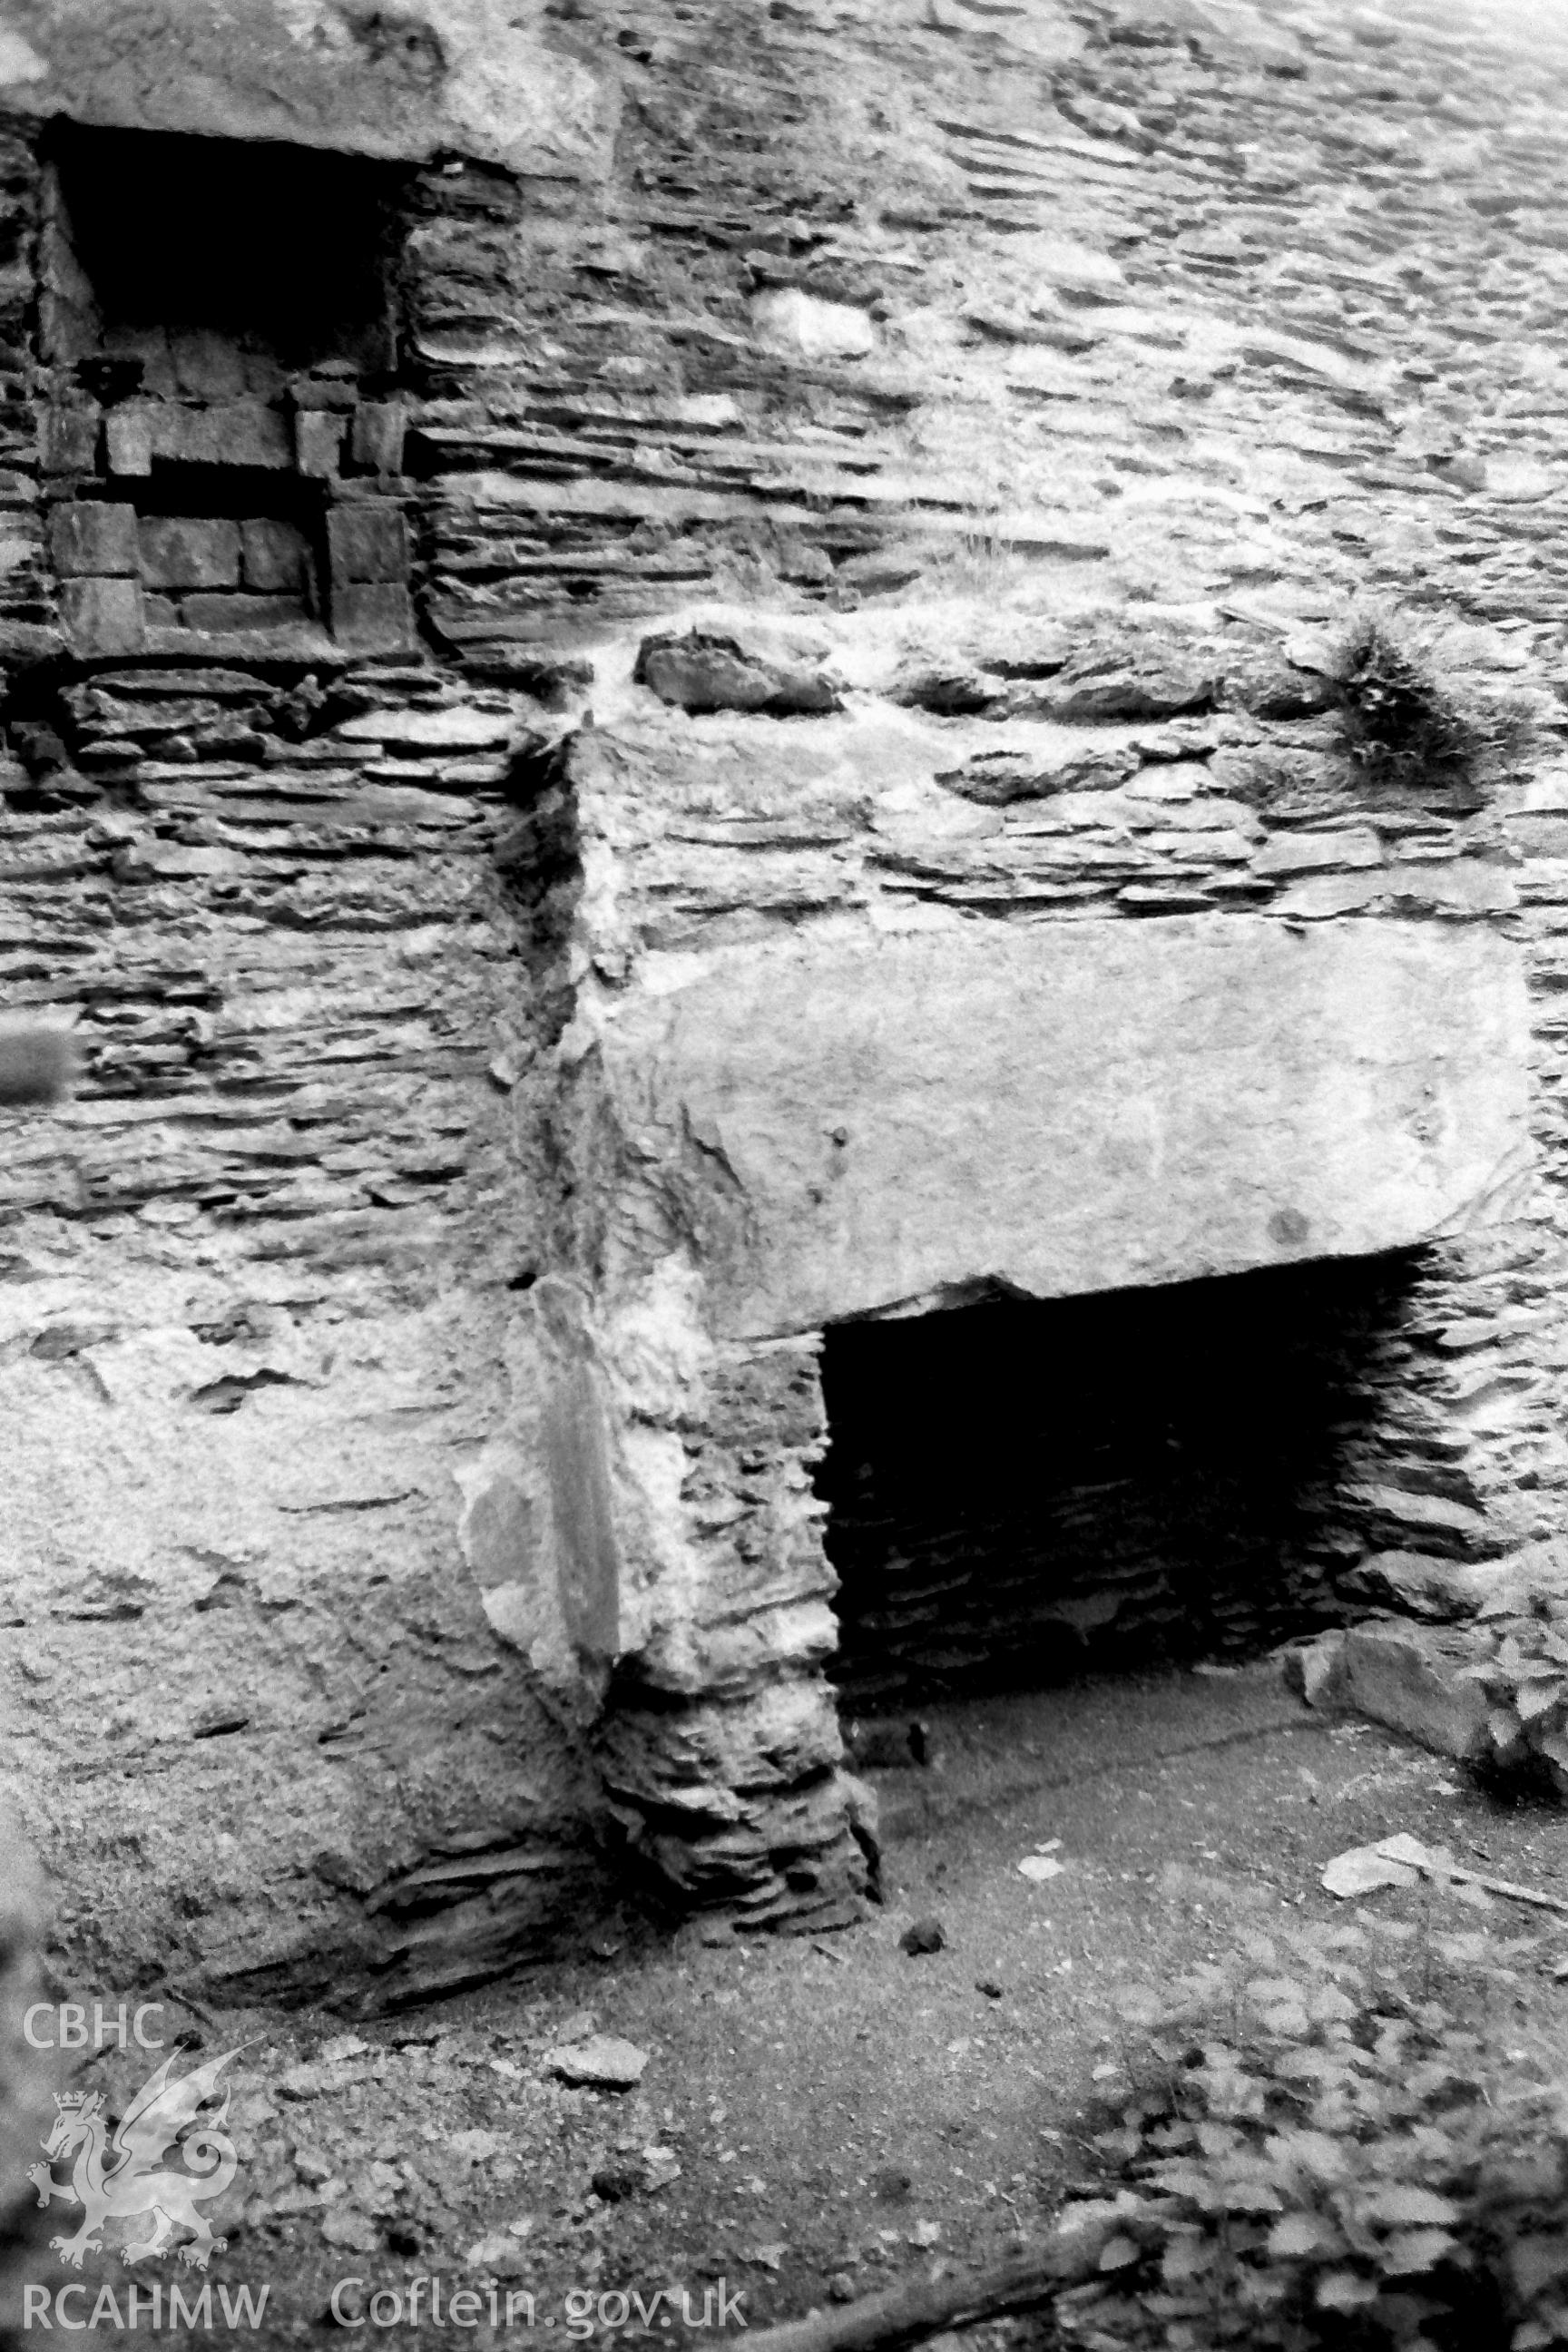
1021,1491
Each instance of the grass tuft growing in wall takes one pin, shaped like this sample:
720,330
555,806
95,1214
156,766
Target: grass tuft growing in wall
1402,722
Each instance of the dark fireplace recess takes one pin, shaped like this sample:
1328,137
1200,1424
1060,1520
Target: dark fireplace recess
1022,1489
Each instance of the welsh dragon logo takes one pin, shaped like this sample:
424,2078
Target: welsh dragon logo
125,2178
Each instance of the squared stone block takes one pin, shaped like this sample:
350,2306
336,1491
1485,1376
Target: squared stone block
216,615
237,432
90,539
70,439
373,617
275,559
376,444
189,552
324,392
187,435
368,543
128,432
103,616
319,443
252,433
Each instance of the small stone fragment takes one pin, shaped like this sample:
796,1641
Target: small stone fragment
304,2082
576,2027
661,2167
622,2177
498,2252
1315,1670
353,2231
1362,1870
601,2062
923,1935
341,2046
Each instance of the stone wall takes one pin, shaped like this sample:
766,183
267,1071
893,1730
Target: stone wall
894,503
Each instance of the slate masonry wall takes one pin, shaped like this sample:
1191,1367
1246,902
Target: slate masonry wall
826,531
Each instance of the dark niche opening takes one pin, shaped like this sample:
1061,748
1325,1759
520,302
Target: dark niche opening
1019,1492
226,431
279,252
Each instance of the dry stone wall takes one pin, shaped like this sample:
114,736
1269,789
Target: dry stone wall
889,474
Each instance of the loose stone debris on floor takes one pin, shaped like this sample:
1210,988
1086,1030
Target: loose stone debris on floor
809,2122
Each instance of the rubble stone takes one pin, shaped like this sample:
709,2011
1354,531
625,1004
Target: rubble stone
601,2062
705,671
923,1935
1407,1677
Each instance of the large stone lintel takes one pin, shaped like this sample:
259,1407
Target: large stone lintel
866,1123
476,77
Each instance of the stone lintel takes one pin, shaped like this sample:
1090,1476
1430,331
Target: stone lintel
874,1123
474,78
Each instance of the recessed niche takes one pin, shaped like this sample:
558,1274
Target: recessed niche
227,432
209,269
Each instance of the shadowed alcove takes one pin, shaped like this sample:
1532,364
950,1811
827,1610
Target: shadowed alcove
1019,1490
